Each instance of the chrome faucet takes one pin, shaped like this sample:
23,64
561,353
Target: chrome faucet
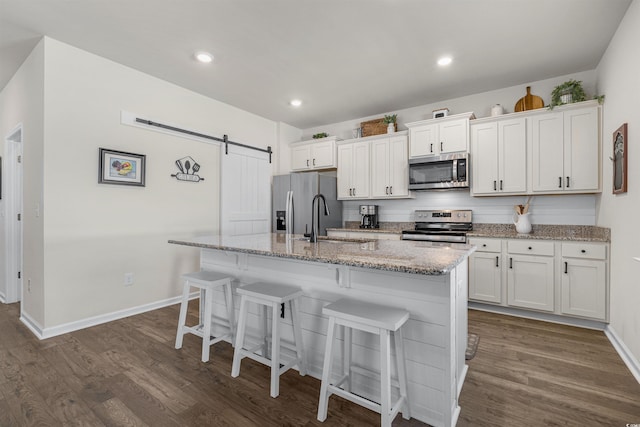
315,222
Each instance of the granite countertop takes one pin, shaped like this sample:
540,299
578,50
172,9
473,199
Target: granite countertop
399,256
579,233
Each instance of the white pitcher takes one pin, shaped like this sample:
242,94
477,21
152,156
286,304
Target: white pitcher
522,223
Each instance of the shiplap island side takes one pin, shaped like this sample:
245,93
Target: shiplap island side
428,280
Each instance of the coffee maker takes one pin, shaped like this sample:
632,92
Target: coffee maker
369,216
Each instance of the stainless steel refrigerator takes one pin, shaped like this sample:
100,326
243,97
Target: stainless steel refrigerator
292,197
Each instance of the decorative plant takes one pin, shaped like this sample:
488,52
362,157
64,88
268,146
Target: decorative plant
320,135
388,119
572,88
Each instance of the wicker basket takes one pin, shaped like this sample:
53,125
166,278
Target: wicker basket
375,127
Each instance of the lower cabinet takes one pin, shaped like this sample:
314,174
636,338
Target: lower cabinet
584,277
485,271
563,278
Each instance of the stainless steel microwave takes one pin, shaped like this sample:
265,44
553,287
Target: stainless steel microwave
446,171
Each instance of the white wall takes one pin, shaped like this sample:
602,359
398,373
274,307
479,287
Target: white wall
480,104
574,209
21,101
94,233
618,78
286,135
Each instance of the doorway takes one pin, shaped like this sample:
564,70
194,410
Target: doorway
12,200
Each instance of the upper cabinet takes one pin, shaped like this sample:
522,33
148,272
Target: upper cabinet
437,136
565,147
537,152
499,157
375,167
314,154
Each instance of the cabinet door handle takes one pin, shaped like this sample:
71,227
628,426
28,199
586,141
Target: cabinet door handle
497,262
559,182
391,189
566,267
386,191
307,162
495,185
510,262
441,146
567,182
354,191
500,185
314,162
431,148
351,191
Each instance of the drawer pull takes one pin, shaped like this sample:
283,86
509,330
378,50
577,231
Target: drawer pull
530,248
584,251
566,267
484,245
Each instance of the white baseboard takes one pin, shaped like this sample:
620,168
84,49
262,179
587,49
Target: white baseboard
96,320
627,357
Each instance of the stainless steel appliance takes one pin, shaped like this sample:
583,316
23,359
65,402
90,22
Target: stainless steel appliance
447,171
292,197
450,226
369,216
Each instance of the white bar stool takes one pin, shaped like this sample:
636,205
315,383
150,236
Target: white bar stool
269,295
375,319
206,281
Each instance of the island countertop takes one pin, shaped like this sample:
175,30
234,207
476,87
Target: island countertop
399,256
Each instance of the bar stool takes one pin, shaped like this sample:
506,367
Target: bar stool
207,282
269,295
375,319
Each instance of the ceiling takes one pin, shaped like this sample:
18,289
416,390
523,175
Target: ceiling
343,59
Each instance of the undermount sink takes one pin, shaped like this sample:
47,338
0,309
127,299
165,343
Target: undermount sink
336,240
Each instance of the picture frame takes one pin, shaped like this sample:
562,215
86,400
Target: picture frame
121,168
620,160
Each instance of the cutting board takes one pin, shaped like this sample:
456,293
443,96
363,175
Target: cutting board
528,102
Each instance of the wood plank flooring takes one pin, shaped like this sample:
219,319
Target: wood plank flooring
127,373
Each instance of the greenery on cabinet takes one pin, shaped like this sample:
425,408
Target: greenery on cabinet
569,92
388,119
320,135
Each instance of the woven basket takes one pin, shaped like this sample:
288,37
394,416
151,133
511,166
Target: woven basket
375,127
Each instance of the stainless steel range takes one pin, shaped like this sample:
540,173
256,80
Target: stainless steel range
449,226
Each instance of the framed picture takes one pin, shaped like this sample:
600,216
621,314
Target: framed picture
118,167
620,160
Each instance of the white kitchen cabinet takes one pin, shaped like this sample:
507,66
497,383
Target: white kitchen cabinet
565,150
485,271
438,136
568,279
389,167
584,280
314,154
353,170
499,153
530,274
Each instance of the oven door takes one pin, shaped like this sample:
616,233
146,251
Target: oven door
452,237
439,172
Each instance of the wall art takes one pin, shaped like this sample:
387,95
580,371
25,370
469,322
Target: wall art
620,160
188,169
118,167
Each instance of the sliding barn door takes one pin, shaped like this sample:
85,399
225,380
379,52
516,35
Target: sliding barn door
245,191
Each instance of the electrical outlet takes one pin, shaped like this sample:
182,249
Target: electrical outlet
128,279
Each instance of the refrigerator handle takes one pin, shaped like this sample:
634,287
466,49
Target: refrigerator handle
289,213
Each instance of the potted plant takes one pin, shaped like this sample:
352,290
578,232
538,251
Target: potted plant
320,135
568,92
390,121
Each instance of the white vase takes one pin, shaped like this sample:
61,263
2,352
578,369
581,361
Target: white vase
522,223
391,128
496,110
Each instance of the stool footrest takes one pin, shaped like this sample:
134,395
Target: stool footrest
362,401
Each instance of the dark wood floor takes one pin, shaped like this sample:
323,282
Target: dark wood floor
127,373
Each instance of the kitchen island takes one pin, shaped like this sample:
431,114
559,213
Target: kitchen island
429,280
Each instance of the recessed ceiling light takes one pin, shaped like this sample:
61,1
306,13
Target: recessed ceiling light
445,60
295,103
204,57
